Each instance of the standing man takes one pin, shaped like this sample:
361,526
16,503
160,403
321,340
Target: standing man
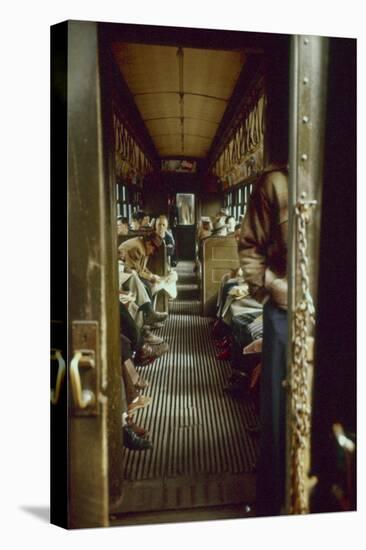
263,257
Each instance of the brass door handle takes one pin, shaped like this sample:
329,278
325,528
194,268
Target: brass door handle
82,398
55,394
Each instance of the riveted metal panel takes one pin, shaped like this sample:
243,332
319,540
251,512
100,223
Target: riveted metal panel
308,80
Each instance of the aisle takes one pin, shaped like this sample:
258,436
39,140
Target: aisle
202,454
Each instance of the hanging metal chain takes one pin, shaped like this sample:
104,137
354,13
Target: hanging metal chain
304,313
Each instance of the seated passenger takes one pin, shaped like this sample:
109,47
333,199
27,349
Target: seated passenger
219,226
231,279
136,252
239,320
140,221
230,224
145,222
161,227
203,232
122,225
134,296
205,229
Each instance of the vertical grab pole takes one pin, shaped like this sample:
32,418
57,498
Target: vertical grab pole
308,88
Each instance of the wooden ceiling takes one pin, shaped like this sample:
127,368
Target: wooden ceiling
181,93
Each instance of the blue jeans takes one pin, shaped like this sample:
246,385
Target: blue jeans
271,472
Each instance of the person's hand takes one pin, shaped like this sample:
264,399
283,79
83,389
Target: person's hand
278,290
155,279
254,347
126,296
255,376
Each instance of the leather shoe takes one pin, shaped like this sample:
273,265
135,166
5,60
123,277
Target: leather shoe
151,338
141,402
156,326
222,344
138,430
144,356
141,384
238,376
224,355
148,353
133,442
237,389
155,317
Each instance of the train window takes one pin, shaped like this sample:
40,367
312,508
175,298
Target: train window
185,205
122,199
236,201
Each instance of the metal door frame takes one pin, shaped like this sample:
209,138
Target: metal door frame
308,88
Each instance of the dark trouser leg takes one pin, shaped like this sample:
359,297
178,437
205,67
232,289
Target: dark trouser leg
225,291
175,253
131,392
147,285
241,338
271,465
146,308
126,348
129,375
239,326
130,329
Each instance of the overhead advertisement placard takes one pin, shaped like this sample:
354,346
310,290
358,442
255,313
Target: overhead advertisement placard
179,165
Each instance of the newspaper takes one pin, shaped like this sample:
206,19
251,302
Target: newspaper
168,283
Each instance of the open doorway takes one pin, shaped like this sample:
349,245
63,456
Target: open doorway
203,458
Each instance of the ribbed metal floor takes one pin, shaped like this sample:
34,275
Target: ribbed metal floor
196,428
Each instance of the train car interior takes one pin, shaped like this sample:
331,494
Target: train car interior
169,131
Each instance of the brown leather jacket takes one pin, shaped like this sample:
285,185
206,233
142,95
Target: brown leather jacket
262,245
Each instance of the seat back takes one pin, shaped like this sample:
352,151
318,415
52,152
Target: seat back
158,264
219,255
